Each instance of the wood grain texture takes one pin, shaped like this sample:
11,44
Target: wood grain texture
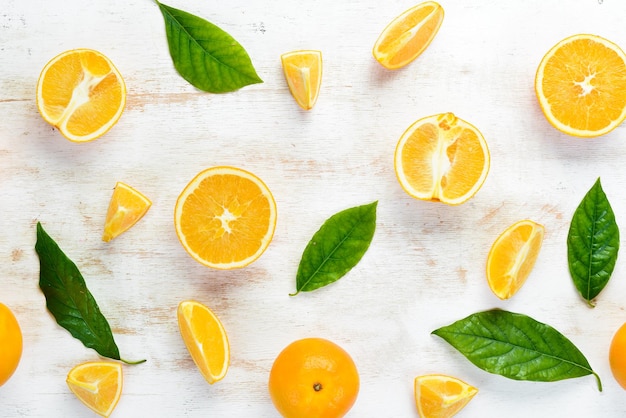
425,267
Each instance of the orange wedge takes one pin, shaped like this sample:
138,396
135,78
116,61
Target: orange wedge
303,72
126,207
225,217
97,384
205,339
408,35
512,257
81,93
441,396
442,158
581,85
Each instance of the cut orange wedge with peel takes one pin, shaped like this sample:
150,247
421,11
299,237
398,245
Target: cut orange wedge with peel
442,158
512,257
225,217
126,207
408,35
97,384
581,85
81,93
205,339
303,72
441,396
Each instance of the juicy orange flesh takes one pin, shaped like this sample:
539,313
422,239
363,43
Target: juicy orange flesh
221,227
77,72
512,258
443,161
585,84
10,344
409,35
125,209
303,72
442,397
205,339
98,387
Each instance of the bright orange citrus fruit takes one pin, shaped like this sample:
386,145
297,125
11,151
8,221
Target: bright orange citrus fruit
225,217
313,378
205,338
97,384
81,93
617,356
303,72
581,85
126,207
441,396
442,158
10,344
408,35
512,257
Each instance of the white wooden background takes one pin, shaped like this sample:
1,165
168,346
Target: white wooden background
425,267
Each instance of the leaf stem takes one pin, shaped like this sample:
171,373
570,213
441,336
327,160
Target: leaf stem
133,362
598,380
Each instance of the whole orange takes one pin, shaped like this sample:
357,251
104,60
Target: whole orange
313,378
10,344
617,356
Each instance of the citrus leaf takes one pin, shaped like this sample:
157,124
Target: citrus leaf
68,299
336,247
205,55
592,243
516,346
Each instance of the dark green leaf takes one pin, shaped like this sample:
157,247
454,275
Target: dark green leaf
516,346
336,247
592,243
69,300
204,55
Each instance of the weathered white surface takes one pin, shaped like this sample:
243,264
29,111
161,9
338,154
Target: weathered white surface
425,267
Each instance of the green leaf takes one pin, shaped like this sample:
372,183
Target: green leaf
204,55
69,300
516,346
592,243
336,247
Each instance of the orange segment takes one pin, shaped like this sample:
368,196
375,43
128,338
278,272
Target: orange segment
126,207
441,396
97,384
303,72
225,217
512,257
442,158
581,85
205,339
408,35
81,93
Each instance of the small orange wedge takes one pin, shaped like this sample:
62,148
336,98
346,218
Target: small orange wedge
97,384
441,396
126,207
81,93
408,35
513,256
205,339
225,217
303,72
581,85
442,158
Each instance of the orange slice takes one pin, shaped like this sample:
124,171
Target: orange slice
126,207
442,158
512,257
408,35
205,339
581,85
441,396
225,217
81,93
97,384
303,72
